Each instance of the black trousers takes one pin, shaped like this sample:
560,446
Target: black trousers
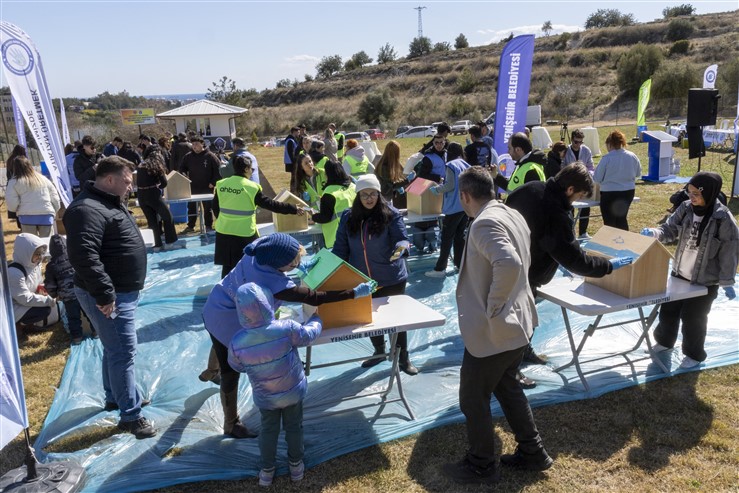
154,208
192,214
452,235
494,375
393,290
584,221
229,376
615,207
693,313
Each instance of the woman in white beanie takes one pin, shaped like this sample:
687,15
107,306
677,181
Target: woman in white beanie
371,237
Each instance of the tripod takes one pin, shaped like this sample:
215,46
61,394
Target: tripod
563,133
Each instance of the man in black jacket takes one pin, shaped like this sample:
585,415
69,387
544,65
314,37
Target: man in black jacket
179,151
547,207
86,160
109,257
204,170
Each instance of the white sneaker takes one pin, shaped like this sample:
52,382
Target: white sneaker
436,273
266,476
688,363
658,348
297,471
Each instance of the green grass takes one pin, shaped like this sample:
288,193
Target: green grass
673,435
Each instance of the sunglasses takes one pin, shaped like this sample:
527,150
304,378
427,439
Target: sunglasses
578,142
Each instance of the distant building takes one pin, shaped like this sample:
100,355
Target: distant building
6,103
210,119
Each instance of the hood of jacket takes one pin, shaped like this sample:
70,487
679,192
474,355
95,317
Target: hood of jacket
57,246
356,153
254,306
536,156
25,245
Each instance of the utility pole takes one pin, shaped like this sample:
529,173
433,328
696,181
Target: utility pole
420,21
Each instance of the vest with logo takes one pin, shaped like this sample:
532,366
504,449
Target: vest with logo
237,208
344,198
452,204
519,174
356,166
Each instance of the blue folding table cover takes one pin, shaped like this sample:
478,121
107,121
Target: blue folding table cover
173,349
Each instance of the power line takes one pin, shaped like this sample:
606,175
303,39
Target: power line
420,21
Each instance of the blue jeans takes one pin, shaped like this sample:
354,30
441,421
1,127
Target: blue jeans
292,422
118,336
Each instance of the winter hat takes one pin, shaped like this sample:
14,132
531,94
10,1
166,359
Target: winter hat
276,250
365,182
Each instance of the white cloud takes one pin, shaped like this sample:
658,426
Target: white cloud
493,36
300,59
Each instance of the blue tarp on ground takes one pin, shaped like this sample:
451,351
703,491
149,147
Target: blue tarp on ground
173,348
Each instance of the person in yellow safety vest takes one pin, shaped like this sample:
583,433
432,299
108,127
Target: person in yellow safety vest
340,138
338,195
309,181
355,161
529,164
234,203
316,153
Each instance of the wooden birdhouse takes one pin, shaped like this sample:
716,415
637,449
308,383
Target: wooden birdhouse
647,274
290,223
331,274
178,186
420,199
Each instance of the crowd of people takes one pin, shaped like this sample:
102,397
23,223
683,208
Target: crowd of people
502,250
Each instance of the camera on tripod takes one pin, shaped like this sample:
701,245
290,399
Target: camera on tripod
563,132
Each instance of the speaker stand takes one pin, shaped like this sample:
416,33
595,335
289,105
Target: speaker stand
704,151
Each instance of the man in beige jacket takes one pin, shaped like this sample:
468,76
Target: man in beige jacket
496,313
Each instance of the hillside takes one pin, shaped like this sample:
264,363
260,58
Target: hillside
574,78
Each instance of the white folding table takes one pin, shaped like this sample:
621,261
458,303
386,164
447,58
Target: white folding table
589,300
579,205
198,199
391,315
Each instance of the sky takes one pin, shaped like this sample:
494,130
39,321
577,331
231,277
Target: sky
181,47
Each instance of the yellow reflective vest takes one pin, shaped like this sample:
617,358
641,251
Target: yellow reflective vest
237,208
344,198
519,174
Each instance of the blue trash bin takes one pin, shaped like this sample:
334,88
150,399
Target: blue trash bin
179,212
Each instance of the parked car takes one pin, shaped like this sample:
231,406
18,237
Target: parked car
401,129
436,124
461,127
375,133
422,131
358,136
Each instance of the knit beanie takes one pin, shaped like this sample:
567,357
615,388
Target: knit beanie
276,250
365,182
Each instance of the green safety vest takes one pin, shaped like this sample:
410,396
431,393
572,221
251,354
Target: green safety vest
519,174
321,164
315,193
237,208
339,145
356,166
344,198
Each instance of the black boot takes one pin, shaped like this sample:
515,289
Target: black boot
529,356
377,357
526,382
405,364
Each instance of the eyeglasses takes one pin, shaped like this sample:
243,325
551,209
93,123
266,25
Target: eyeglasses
369,195
695,195
578,142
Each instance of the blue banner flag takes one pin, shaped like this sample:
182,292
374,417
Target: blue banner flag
514,79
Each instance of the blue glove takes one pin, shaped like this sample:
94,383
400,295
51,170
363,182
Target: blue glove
729,292
619,262
436,190
401,191
365,289
653,232
411,176
307,264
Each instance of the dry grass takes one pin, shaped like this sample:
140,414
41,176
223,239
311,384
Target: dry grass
676,434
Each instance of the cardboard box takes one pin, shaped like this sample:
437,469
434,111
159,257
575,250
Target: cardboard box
178,186
289,223
420,199
647,275
330,274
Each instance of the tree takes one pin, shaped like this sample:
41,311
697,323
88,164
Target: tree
608,18
441,47
461,42
673,79
678,10
224,91
283,84
358,60
637,65
679,29
308,77
420,46
547,28
328,66
386,54
377,106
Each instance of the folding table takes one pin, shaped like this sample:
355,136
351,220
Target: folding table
198,199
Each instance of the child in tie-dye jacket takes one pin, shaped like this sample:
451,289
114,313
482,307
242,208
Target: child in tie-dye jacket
267,351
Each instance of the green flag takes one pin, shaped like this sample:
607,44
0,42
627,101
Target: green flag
644,91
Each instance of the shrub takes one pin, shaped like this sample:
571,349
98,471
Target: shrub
678,10
680,47
283,83
679,29
441,47
377,106
673,79
564,38
461,42
467,81
328,66
460,107
358,60
577,60
637,65
608,18
728,80
386,54
420,46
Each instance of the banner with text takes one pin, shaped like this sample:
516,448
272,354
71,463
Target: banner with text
644,92
514,79
20,131
25,76
65,128
140,116
709,77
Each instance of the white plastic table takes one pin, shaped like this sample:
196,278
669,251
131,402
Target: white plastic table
587,299
391,315
198,199
579,205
